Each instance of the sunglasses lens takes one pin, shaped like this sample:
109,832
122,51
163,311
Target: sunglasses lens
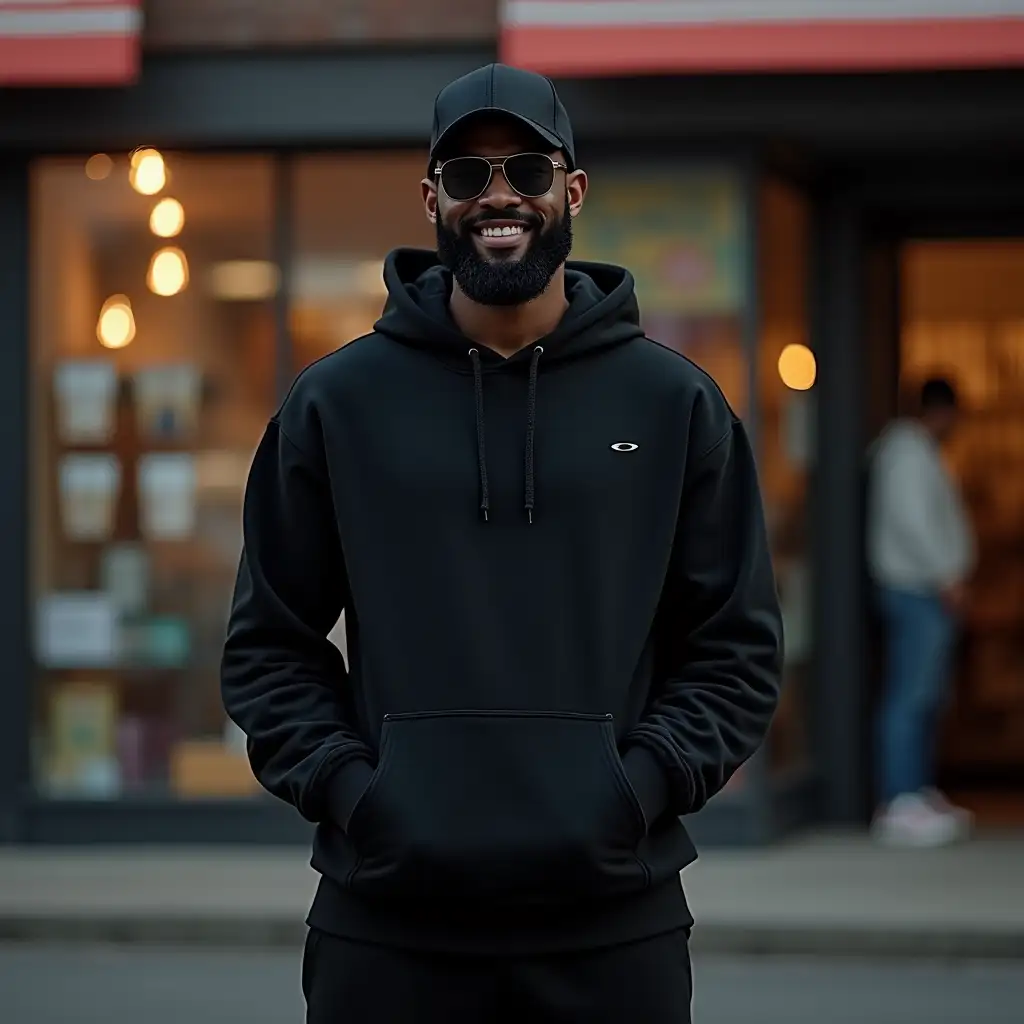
465,177
530,174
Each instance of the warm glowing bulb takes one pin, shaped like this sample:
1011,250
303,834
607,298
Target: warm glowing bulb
98,167
148,173
167,218
798,367
116,326
168,272
140,154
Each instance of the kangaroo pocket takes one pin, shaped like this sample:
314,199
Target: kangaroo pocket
500,806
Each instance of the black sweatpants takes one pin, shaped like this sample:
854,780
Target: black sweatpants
645,982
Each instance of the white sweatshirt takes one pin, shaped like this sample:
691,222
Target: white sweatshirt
918,535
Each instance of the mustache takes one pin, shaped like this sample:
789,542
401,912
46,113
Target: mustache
528,220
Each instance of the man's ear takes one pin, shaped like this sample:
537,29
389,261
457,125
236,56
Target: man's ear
576,191
430,199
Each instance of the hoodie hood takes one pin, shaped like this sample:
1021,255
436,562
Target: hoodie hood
602,312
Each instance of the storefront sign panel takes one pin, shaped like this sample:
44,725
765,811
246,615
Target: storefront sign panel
576,38
69,42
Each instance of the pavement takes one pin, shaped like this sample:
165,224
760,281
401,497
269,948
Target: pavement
813,895
48,984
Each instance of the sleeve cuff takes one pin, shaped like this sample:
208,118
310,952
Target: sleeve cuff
344,789
648,780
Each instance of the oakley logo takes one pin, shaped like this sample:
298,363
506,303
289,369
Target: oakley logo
624,446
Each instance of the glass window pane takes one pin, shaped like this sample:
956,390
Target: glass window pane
786,373
153,378
350,210
682,234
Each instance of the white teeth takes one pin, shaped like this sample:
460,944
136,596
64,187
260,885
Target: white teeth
500,232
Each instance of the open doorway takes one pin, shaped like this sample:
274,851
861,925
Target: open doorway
961,316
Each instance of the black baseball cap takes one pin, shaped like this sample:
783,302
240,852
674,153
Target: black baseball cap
497,88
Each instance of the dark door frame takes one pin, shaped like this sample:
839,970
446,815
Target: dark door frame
15,620
860,211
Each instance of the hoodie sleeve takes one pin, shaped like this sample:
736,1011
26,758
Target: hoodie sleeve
282,680
718,639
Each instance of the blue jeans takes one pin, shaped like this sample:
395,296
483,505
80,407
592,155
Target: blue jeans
920,638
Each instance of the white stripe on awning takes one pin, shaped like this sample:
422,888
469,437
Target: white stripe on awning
14,4
669,12
99,21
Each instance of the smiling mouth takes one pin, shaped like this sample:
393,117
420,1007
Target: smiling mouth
505,232
501,235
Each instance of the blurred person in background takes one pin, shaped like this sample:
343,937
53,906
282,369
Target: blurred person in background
563,630
921,550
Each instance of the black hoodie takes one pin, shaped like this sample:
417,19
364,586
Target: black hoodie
562,623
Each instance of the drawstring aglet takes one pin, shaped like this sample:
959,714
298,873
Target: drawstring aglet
529,516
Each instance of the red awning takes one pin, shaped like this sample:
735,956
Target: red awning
69,42
576,38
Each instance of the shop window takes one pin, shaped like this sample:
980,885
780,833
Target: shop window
350,210
153,378
683,235
786,376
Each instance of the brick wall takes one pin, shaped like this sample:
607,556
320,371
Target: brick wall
240,24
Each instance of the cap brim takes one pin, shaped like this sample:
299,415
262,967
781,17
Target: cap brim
549,137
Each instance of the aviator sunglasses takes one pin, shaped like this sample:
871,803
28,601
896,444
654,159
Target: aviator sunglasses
464,178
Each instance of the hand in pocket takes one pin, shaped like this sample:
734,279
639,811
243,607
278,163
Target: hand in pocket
515,804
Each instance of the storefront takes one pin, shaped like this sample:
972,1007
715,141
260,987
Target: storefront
885,203
173,253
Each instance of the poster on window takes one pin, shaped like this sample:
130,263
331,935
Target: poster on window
681,234
77,629
83,747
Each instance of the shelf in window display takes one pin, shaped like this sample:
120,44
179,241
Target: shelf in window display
166,402
168,498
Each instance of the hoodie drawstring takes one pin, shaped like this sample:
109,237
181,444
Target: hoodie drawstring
531,432
481,446
531,429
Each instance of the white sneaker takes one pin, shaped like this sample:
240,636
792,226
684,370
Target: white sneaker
939,803
910,820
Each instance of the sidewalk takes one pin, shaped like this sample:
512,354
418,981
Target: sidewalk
814,895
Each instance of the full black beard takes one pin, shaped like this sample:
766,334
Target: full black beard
505,282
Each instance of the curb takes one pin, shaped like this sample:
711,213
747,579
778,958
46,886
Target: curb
240,932
870,941
737,940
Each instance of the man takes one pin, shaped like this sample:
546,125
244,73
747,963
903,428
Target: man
920,552
546,534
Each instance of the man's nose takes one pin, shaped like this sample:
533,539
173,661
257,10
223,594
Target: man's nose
500,193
